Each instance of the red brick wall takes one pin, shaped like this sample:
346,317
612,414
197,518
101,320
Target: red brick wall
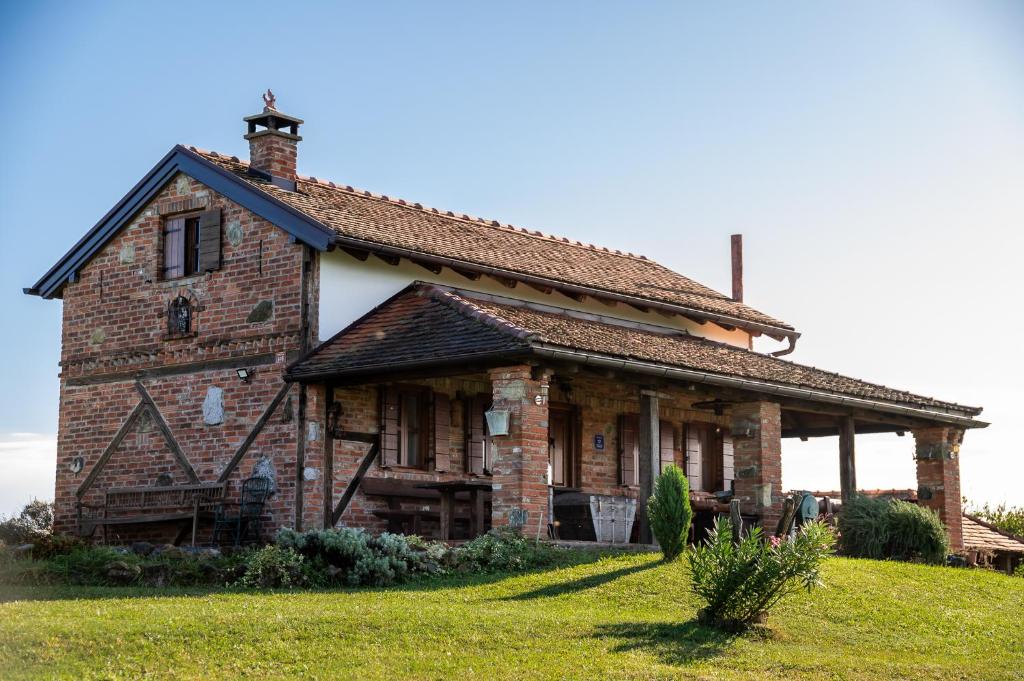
757,446
937,453
115,330
274,154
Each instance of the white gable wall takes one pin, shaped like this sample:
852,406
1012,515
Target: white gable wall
349,288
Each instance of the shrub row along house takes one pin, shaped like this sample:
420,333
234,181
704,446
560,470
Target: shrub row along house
525,379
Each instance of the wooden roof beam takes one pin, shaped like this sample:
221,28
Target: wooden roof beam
389,259
356,253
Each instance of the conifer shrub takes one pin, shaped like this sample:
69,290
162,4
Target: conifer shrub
670,513
891,529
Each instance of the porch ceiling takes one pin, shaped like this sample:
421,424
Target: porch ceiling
428,326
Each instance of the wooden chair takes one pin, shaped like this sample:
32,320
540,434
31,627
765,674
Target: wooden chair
242,516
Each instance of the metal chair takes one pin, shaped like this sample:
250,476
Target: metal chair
255,492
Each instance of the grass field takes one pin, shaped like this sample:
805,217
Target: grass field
626,617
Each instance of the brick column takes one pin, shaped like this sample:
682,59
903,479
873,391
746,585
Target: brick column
937,452
520,464
757,446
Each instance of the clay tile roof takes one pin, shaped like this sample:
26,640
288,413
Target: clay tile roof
377,219
980,535
429,308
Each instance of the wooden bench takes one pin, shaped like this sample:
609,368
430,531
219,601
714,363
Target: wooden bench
398,491
142,505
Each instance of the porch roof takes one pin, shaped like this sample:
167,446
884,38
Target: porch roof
427,324
979,534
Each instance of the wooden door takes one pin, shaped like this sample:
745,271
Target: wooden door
561,447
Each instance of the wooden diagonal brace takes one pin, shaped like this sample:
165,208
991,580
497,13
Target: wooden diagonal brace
353,484
251,437
125,428
166,432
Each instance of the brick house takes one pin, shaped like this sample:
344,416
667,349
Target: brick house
458,349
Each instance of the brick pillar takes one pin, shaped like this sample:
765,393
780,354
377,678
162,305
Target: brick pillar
937,452
757,446
520,465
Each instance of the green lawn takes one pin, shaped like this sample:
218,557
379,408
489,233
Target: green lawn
624,617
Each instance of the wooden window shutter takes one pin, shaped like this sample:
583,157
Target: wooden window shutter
728,462
694,456
209,240
174,248
442,431
629,449
476,433
667,448
390,426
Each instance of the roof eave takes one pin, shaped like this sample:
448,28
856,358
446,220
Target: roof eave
962,419
179,159
776,332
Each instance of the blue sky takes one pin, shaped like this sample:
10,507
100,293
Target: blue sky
872,154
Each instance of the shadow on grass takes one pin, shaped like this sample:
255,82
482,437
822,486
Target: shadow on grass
581,584
673,643
63,591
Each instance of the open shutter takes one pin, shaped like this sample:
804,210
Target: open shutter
174,248
442,429
694,456
629,449
728,462
209,240
667,448
476,435
389,413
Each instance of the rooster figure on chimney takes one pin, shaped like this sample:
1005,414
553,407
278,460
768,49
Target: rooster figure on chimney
269,100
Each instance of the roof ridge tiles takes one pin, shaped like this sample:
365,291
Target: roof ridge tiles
473,311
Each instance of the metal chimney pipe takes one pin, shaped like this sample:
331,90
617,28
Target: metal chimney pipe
737,267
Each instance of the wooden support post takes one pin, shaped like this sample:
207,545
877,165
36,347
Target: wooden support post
847,467
328,467
649,439
788,516
736,520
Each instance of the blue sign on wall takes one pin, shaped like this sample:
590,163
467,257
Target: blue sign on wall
599,441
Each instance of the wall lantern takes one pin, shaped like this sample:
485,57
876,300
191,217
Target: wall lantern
244,375
497,421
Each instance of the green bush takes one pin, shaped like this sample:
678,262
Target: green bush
33,523
273,567
670,513
356,558
503,550
891,529
1006,518
740,584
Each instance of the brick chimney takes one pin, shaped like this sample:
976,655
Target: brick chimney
273,144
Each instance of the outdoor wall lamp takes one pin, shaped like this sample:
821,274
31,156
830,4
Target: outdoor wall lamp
497,421
244,375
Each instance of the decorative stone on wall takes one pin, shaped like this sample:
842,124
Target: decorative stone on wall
234,233
263,311
213,406
126,256
97,336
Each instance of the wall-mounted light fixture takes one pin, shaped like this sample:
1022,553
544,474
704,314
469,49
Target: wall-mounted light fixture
244,375
497,422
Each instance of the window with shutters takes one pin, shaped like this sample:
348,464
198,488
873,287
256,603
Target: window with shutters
405,416
476,434
191,244
629,450
709,457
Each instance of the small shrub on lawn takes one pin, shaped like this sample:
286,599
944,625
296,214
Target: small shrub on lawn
670,513
503,550
356,558
273,567
740,584
891,529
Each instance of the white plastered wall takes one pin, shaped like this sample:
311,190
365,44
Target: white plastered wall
349,288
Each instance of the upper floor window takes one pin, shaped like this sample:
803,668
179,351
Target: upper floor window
191,244
181,247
